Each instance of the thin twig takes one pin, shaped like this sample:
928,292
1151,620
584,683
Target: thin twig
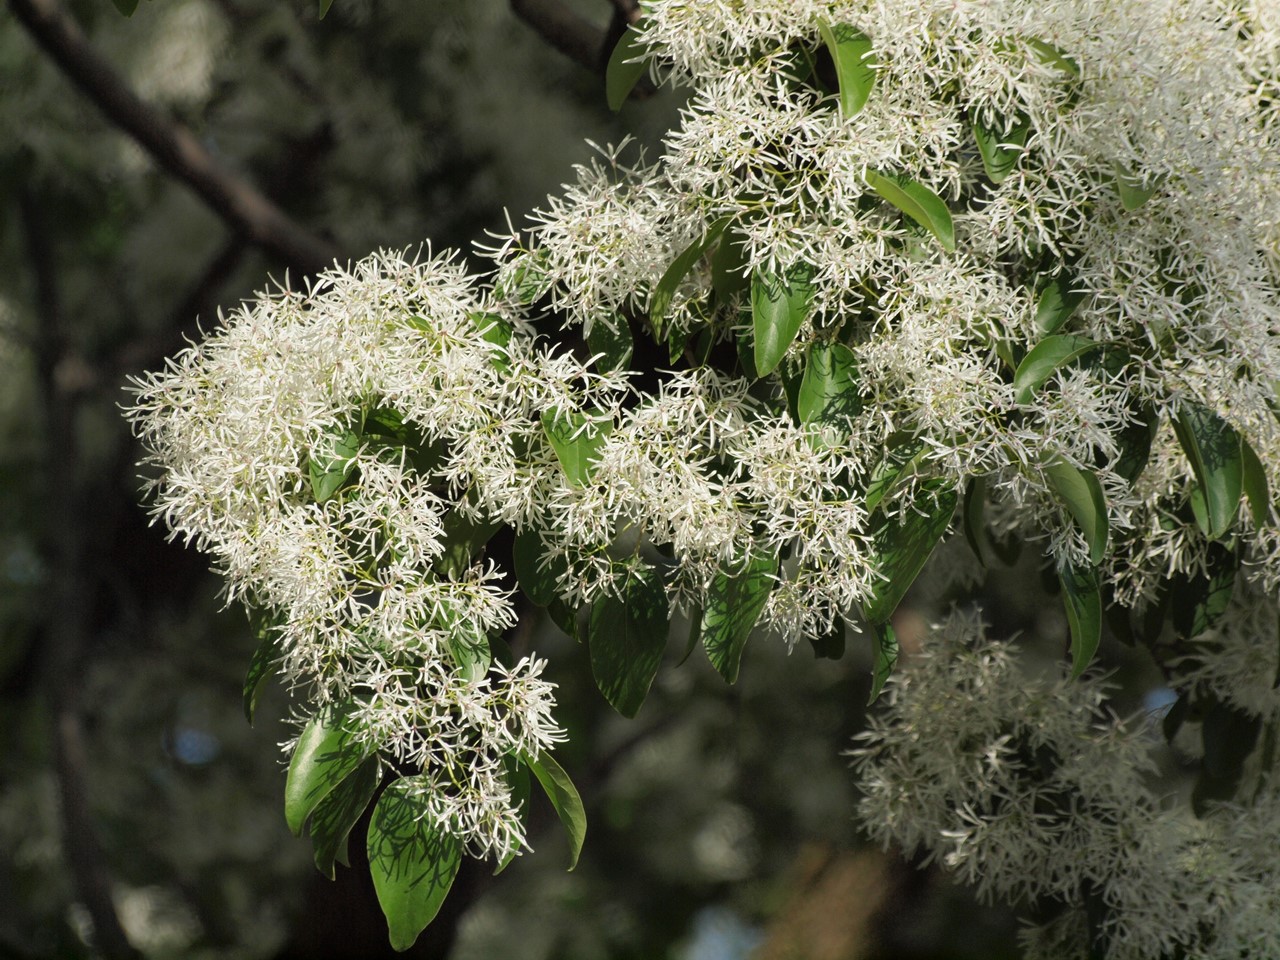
244,208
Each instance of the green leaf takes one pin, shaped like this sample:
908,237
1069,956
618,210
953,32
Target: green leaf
886,657
830,646
564,797
627,64
779,308
337,813
413,864
1056,303
1000,145
565,618
828,394
576,439
1133,193
1081,493
127,7
324,7
975,528
627,636
906,453
1054,57
665,291
1213,448
903,544
326,754
695,636
1134,442
850,50
538,580
516,772
1254,481
1083,601
1199,601
469,650
1229,735
731,607
262,666
918,202
611,346
464,536
331,462
1044,358
497,331
729,265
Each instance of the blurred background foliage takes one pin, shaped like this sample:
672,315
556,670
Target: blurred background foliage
132,791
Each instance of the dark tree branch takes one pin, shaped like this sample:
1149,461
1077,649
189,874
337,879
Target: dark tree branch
575,37
628,10
172,145
66,624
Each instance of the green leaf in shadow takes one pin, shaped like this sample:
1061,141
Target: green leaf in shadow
413,863
326,754
1083,601
1213,448
627,636
336,814
903,544
731,608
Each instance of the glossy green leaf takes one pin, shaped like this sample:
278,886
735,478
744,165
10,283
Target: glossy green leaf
565,617
326,754
828,395
331,463
729,274
336,814
127,7
538,579
324,8
261,666
469,650
1083,600
564,798
1000,145
1081,493
464,536
903,459
576,439
516,772
627,64
975,527
850,50
665,291
779,308
412,863
628,634
497,331
1213,448
1057,302
695,636
903,544
732,605
1044,358
1254,481
831,645
886,651
611,347
918,202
